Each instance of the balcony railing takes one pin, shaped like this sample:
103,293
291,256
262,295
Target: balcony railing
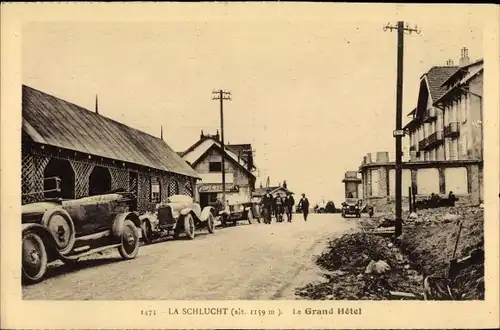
431,141
452,130
422,144
430,115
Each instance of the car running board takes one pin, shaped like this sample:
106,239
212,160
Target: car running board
84,254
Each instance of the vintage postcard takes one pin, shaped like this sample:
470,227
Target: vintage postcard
249,165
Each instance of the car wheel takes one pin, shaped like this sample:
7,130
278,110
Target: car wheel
189,226
130,241
147,232
34,263
211,223
250,217
63,230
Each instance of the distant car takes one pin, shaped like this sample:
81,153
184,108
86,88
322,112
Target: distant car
247,211
351,207
330,207
321,207
179,215
66,230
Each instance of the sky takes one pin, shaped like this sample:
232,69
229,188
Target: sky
311,96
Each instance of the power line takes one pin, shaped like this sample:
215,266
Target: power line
222,96
399,132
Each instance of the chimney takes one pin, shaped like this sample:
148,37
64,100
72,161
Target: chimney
217,135
449,62
202,135
284,184
161,132
96,104
464,56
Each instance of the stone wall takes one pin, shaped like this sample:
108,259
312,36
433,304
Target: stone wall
465,180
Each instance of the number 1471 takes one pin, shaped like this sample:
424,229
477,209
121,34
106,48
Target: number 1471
148,312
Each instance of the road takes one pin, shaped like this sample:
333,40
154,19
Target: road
255,261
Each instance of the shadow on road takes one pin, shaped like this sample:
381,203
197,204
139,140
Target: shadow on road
58,270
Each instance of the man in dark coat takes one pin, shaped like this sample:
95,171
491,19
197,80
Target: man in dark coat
289,202
304,205
268,202
452,198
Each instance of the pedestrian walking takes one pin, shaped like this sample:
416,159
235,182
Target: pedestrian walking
268,202
289,203
279,209
304,205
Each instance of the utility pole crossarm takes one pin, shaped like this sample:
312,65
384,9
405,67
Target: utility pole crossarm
221,95
405,29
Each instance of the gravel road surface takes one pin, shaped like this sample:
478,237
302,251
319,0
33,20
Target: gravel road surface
255,261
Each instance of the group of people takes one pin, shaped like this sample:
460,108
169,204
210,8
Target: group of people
280,205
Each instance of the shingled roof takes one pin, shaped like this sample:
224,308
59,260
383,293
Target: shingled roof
435,77
52,121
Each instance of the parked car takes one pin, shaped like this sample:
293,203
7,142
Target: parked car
330,207
351,207
247,211
66,230
181,214
320,207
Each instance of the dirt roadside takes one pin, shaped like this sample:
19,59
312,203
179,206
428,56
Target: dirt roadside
426,248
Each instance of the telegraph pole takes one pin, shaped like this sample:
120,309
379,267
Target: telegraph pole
222,95
399,132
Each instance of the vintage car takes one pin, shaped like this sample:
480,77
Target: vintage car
320,208
247,211
351,206
179,215
66,230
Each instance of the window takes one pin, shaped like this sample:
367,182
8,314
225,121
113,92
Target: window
215,167
155,190
173,187
463,109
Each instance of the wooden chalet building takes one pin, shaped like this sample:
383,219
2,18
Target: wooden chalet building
275,191
205,156
92,155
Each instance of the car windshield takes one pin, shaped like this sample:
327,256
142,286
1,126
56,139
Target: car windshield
351,200
180,199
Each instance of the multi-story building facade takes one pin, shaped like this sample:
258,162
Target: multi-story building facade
447,122
445,137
